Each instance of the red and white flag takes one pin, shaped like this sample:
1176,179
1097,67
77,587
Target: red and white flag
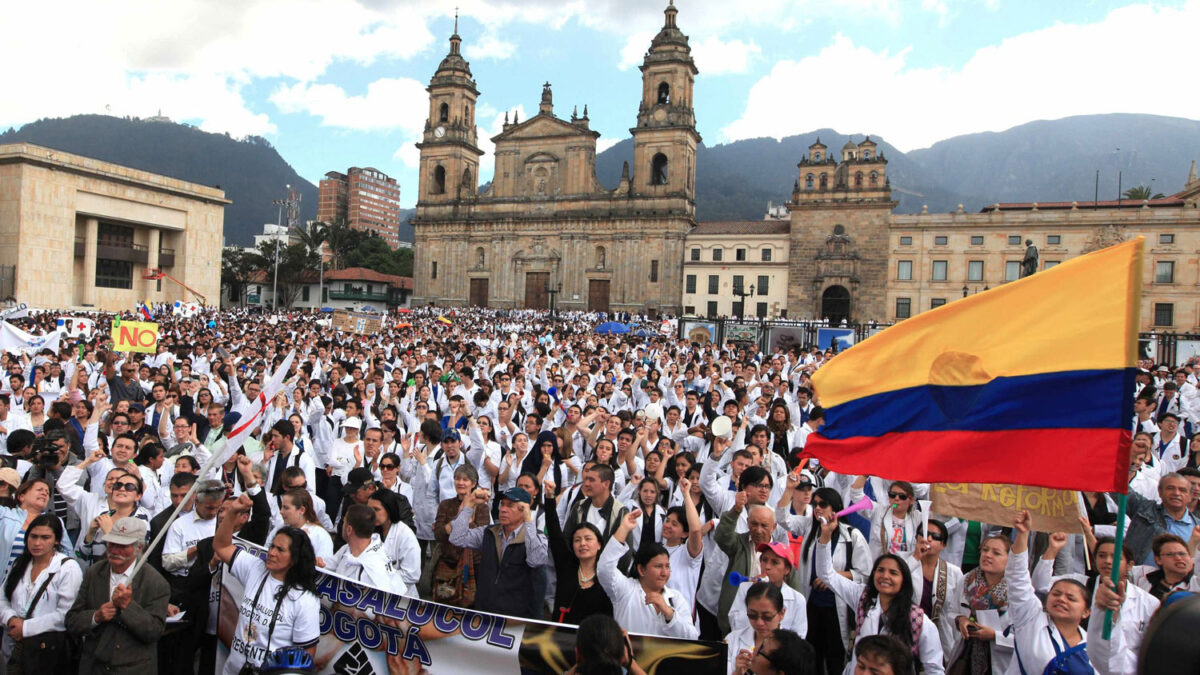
251,412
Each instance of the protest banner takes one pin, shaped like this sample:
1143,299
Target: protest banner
19,311
366,631
998,504
76,326
13,339
135,336
362,323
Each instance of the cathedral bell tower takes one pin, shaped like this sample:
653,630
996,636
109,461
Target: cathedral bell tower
449,152
665,137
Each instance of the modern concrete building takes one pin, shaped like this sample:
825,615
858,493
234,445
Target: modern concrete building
365,198
80,232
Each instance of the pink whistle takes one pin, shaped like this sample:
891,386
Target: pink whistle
862,505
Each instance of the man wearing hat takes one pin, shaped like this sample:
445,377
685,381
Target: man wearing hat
513,551
137,422
117,619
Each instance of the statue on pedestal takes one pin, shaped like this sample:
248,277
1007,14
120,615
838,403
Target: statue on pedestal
1030,264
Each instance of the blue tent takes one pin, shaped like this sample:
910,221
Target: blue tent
610,327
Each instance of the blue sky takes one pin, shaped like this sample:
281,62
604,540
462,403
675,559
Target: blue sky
338,83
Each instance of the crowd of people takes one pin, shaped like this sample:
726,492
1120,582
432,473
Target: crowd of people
525,466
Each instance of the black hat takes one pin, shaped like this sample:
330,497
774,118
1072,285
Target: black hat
358,479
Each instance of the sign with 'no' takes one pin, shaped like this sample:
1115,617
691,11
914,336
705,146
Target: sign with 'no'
135,336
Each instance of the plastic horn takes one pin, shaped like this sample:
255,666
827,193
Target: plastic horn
925,505
736,579
862,505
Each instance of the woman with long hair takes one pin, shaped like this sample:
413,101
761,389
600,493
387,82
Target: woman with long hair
31,498
296,510
829,624
783,433
279,606
41,586
884,604
455,569
765,612
603,648
37,413
984,606
895,519
649,527
400,544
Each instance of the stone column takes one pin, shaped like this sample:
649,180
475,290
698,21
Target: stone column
90,245
152,262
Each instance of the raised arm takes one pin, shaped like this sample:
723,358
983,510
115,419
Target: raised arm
223,546
849,591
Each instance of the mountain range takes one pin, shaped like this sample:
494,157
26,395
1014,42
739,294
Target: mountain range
1052,160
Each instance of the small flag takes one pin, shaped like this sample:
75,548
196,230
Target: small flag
144,311
1030,383
444,320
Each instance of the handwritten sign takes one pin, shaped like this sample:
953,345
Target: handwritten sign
135,336
362,323
998,504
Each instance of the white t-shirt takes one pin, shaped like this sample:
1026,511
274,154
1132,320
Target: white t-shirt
296,623
185,533
322,543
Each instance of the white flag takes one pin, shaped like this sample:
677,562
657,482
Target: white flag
251,413
13,339
75,326
185,309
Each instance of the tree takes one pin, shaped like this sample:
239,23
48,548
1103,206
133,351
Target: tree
343,240
235,272
1141,192
296,263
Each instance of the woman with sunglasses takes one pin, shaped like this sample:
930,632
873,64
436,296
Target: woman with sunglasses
122,492
937,583
828,615
894,521
775,562
885,604
388,476
764,612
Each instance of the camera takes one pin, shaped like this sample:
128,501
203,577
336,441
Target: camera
45,451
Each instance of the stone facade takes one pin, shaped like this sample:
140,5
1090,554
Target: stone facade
68,222
545,231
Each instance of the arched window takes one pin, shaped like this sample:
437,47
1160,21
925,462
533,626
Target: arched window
874,178
808,182
658,170
664,93
444,113
439,180
858,178
824,181
467,114
866,154
468,182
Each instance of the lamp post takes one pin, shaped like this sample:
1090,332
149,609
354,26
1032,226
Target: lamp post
741,293
552,291
965,290
278,224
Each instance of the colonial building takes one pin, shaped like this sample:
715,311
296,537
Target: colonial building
545,227
737,269
80,232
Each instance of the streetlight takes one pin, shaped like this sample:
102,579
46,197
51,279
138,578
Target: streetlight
553,291
278,224
742,295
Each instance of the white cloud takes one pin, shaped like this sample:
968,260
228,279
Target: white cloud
715,56
388,104
603,144
489,47
1036,75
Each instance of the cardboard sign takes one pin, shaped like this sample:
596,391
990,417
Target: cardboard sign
76,326
135,336
998,504
357,322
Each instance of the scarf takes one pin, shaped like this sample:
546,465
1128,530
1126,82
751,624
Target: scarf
979,596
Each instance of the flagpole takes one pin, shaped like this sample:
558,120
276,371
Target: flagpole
1119,540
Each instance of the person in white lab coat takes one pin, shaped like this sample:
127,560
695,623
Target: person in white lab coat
937,584
646,604
765,611
981,619
885,603
1044,634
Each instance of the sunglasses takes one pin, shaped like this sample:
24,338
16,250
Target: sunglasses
386,467
934,536
897,495
820,504
765,616
128,487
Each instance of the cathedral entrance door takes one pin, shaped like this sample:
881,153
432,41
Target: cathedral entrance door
536,284
479,293
598,295
835,304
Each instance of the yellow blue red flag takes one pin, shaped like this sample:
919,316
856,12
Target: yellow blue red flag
1030,383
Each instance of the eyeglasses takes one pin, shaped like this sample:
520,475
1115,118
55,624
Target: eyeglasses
897,495
765,486
819,503
128,487
387,467
767,617
1174,554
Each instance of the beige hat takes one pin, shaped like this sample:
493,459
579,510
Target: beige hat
128,530
10,476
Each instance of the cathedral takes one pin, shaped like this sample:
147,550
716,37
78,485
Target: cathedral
545,232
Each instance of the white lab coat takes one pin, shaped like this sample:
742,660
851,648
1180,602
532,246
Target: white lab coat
629,600
1034,635
949,604
860,569
795,617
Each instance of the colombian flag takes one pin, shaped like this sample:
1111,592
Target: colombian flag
1030,383
444,320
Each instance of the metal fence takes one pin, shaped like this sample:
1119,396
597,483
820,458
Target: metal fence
771,333
1172,349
